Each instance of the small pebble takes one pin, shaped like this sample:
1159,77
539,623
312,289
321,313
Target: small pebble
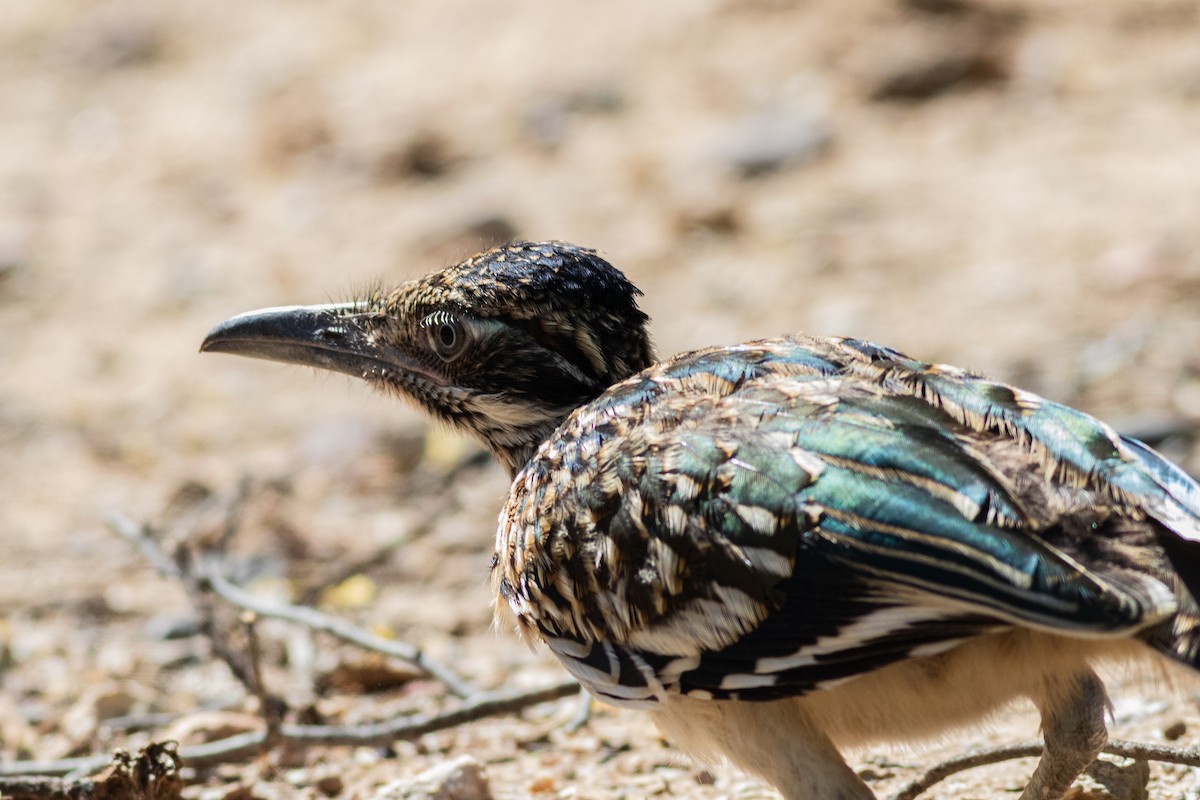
166,627
548,121
1174,731
426,156
541,784
774,139
330,785
1116,779
926,77
112,37
239,792
460,779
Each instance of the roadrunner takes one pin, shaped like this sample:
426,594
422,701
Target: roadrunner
784,547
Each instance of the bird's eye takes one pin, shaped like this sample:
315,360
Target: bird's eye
447,337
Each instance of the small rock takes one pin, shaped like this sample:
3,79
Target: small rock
8,267
240,792
718,219
542,784
1119,779
946,8
167,627
15,253
547,122
113,37
426,155
330,785
1174,731
767,141
926,77
366,674
461,779
596,100
969,46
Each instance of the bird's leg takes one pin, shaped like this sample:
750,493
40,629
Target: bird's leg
1074,732
582,713
778,741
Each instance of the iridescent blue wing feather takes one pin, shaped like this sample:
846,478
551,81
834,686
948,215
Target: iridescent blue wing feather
762,520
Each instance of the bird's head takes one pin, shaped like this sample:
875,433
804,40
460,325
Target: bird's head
504,345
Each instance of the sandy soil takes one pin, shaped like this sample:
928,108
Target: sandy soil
1010,186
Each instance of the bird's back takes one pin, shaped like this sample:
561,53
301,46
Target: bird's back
763,520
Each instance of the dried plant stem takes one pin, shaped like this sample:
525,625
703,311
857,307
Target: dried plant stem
1189,756
247,745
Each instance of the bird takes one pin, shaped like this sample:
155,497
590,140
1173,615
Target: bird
783,548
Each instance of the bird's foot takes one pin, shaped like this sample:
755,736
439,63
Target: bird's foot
1074,731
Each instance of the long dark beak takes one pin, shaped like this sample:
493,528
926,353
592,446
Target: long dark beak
334,337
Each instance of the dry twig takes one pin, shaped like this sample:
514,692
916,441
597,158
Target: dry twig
143,537
1189,756
199,571
315,620
271,707
247,745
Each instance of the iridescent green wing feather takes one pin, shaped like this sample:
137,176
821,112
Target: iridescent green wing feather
796,512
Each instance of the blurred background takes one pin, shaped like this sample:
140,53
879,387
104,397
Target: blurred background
1007,185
